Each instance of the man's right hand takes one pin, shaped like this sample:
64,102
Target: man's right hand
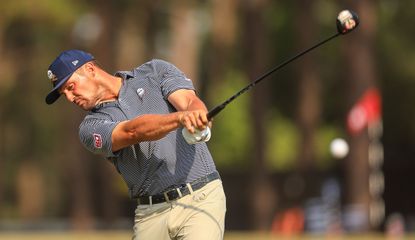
194,120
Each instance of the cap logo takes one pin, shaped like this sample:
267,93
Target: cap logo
52,77
75,62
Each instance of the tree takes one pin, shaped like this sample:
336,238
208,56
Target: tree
309,87
184,39
361,73
254,44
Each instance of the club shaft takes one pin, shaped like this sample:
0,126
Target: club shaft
220,107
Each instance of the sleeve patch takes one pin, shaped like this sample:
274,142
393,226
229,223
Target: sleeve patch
97,140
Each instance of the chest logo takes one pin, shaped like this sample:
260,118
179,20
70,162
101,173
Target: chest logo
140,92
97,140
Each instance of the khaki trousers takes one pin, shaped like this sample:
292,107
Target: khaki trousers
199,215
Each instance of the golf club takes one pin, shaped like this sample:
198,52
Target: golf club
346,22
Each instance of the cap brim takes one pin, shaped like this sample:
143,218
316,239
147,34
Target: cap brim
54,94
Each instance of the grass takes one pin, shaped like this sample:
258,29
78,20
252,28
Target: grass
119,235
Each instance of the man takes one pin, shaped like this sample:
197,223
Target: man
135,119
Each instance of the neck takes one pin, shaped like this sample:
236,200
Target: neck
111,86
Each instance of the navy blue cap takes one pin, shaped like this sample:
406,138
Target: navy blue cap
62,69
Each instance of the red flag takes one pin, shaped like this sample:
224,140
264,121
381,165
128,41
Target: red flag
365,111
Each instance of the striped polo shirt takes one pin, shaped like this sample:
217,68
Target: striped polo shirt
149,167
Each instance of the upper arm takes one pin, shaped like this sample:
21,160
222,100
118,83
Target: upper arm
96,136
120,136
171,80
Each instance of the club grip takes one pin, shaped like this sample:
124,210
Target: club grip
214,111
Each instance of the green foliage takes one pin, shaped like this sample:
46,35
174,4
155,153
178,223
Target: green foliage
62,12
231,133
32,32
282,143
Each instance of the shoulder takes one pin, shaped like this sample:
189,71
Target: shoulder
159,65
99,123
151,67
95,135
93,119
159,69
154,64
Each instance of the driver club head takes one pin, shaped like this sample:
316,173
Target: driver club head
347,21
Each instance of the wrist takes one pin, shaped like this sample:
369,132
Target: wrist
180,118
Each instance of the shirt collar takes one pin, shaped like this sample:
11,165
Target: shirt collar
124,74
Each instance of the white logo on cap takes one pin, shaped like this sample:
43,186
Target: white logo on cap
52,76
75,62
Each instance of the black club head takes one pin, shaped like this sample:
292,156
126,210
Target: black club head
347,21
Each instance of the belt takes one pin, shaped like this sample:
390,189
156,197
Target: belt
178,192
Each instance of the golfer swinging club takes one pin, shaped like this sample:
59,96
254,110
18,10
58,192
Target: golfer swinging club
134,120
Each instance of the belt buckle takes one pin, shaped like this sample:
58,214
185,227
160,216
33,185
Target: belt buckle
189,186
166,194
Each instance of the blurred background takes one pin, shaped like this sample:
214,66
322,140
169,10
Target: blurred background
271,145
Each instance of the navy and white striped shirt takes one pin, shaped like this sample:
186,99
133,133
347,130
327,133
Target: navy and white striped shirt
150,167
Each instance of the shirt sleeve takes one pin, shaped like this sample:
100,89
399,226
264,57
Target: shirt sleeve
95,135
171,78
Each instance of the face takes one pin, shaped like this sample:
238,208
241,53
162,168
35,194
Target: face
81,88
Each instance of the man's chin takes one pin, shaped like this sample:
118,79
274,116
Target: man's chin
85,107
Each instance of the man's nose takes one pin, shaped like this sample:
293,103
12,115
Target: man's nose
68,95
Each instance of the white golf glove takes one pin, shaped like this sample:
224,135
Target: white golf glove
197,137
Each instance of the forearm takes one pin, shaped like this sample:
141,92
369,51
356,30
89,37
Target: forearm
196,104
148,127
153,126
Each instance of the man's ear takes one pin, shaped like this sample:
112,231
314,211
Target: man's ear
90,69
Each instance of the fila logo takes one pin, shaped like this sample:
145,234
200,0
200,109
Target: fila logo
75,62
